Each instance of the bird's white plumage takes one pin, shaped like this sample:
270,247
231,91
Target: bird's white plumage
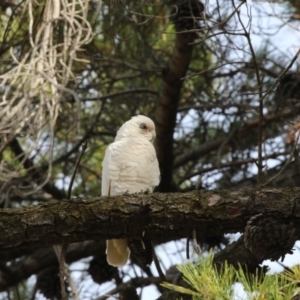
129,166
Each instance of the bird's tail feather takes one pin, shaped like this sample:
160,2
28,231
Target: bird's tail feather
117,252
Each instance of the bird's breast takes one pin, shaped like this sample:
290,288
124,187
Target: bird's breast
137,168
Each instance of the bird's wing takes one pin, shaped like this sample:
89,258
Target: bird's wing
129,165
117,169
122,170
106,181
117,250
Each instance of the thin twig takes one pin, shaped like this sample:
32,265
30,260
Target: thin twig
287,162
226,141
62,272
139,281
71,283
157,264
61,250
122,93
187,248
84,146
260,92
229,164
199,181
281,75
196,246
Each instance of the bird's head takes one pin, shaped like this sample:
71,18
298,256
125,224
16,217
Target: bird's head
136,127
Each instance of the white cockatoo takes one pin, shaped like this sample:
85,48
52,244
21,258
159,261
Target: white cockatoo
129,166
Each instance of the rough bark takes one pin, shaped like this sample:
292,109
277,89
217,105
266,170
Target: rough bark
167,105
153,216
237,255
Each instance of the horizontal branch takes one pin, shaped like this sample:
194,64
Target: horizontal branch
123,93
249,127
234,163
153,216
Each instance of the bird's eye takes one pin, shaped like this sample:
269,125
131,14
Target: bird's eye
143,126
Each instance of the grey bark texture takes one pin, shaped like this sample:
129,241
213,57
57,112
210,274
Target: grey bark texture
153,216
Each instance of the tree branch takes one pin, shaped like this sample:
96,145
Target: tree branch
122,93
34,172
173,78
153,216
43,258
249,127
237,254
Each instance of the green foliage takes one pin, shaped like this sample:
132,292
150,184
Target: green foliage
209,283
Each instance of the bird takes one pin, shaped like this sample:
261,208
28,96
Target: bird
129,166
